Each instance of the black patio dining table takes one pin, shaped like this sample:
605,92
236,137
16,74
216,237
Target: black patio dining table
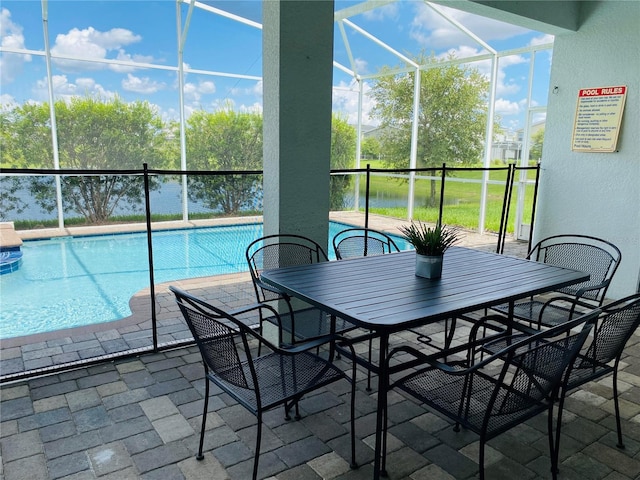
382,294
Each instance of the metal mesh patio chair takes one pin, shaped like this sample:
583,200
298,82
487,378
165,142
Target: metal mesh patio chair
301,321
361,242
588,254
599,356
493,394
618,321
257,382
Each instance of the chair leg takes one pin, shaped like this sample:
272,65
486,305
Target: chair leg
368,370
354,464
385,427
481,458
616,405
258,440
554,447
200,456
450,330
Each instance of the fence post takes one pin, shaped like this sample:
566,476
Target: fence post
366,200
506,204
442,179
152,288
533,206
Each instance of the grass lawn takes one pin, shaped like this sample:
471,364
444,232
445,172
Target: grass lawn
462,197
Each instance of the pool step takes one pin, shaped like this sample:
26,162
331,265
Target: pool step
10,243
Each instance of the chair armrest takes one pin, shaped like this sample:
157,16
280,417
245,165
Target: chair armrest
298,347
271,289
251,307
504,325
620,303
573,301
458,368
428,359
583,290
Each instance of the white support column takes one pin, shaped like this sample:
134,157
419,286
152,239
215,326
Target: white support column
356,197
182,38
488,142
52,114
297,84
413,160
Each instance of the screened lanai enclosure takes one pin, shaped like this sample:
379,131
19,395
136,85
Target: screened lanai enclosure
405,74
147,115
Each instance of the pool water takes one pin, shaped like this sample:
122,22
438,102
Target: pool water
75,281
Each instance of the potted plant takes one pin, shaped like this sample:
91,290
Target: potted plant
430,244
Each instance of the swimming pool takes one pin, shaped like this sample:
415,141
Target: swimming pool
75,281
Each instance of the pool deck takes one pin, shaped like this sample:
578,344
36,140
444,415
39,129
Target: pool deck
139,417
8,237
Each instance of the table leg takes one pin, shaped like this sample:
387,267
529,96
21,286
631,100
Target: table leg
383,382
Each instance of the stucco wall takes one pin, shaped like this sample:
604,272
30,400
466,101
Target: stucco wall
595,193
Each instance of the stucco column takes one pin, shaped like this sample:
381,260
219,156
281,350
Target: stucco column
297,80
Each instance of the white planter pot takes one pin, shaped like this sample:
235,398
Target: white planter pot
428,266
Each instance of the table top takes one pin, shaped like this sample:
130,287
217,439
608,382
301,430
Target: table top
382,292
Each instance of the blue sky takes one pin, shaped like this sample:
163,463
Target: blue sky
146,32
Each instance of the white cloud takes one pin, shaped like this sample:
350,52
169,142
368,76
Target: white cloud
64,89
542,40
92,44
345,101
255,108
141,84
207,87
193,92
126,57
466,51
432,31
509,85
385,12
505,107
11,37
257,89
361,66
254,90
7,102
505,85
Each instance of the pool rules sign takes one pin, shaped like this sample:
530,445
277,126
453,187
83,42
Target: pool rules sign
598,118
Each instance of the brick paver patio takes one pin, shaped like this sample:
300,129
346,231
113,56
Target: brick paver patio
140,418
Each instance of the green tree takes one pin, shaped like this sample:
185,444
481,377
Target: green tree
535,151
19,136
92,134
25,137
451,121
224,141
343,153
370,148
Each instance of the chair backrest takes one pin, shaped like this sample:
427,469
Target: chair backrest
217,335
361,242
587,254
280,250
618,321
534,367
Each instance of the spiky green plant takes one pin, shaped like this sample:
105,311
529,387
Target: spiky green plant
429,240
